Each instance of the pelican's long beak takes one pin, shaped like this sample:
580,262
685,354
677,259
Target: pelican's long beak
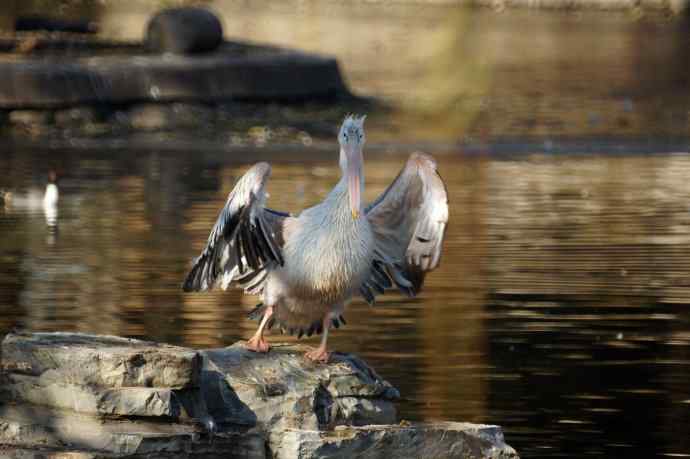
354,180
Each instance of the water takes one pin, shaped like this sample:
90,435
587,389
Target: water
559,311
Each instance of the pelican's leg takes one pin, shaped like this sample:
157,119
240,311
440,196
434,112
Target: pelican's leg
320,354
257,343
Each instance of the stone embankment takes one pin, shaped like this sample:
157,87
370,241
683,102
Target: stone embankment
181,75
87,396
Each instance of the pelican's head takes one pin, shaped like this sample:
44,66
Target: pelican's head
351,139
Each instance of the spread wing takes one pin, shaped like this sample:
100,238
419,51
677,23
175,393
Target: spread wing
409,222
246,238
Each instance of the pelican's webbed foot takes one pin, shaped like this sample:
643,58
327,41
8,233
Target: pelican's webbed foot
258,344
320,354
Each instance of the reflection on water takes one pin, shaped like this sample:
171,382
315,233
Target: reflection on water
560,309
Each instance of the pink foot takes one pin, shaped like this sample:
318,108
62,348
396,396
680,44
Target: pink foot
258,344
318,355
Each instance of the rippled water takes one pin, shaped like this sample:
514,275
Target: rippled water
560,310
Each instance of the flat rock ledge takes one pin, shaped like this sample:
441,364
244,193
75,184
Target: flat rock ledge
67,395
121,74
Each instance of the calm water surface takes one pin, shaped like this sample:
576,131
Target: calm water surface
560,310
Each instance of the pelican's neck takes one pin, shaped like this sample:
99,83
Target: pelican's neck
339,200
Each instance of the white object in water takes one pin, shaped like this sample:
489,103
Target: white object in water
50,198
50,201
34,201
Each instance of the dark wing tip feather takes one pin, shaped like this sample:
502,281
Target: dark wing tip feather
416,277
367,294
189,285
192,283
242,239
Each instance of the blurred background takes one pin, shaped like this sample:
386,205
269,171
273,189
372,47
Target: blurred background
560,311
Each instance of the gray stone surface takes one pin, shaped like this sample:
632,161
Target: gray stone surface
45,22
29,117
103,361
175,115
185,30
86,396
126,401
43,453
75,116
29,429
445,440
149,116
102,375
284,390
234,71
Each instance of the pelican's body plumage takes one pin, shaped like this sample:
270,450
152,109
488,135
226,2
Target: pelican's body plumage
323,269
307,267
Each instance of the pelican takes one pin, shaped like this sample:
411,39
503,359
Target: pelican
307,267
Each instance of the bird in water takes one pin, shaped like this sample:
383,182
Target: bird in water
34,200
50,201
307,267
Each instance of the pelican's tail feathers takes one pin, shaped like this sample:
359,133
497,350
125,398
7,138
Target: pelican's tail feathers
315,328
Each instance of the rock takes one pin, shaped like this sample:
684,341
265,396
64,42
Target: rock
86,396
447,440
127,401
192,115
186,30
284,390
27,428
153,117
76,116
29,117
149,117
233,71
43,453
24,23
102,375
102,361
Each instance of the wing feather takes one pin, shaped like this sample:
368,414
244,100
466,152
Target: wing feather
409,221
244,241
